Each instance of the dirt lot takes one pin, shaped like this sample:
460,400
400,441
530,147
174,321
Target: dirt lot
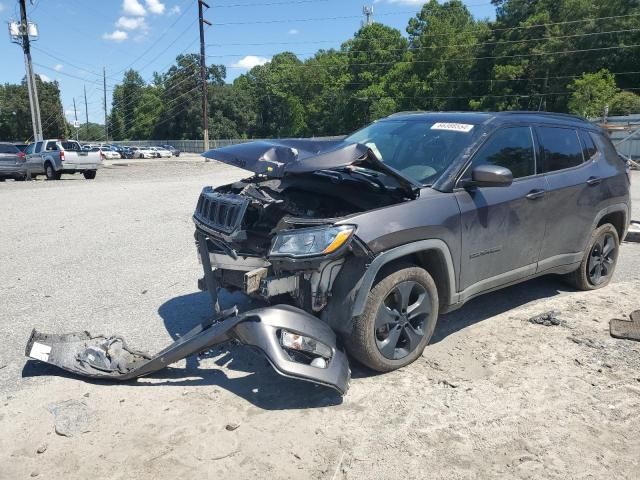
493,396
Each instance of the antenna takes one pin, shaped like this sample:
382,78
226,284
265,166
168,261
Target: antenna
368,15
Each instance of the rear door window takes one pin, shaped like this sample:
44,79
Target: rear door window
38,147
511,148
561,148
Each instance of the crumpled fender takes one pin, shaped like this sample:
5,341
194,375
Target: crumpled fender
109,357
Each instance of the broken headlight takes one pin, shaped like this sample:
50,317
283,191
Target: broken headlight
309,242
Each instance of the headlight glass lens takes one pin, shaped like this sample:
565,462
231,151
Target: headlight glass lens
308,242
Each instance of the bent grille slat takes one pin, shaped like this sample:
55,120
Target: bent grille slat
220,212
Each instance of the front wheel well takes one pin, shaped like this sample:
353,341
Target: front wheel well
433,261
617,219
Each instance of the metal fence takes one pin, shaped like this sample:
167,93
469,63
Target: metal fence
626,143
197,146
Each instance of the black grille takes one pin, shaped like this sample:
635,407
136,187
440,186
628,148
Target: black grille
222,212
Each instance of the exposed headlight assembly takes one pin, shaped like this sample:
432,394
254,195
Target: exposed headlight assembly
310,242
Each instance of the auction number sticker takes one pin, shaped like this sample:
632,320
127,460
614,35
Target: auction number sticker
453,127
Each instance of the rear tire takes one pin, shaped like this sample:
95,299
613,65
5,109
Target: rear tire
50,172
599,260
89,174
398,320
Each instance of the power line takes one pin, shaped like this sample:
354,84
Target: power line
73,65
347,17
66,74
160,37
440,47
312,19
269,4
457,59
466,81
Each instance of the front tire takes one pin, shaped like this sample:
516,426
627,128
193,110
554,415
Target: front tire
599,260
89,174
398,320
50,172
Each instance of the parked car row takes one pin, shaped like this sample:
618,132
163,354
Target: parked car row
53,157
123,151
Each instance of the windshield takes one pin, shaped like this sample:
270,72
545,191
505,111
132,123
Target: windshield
421,151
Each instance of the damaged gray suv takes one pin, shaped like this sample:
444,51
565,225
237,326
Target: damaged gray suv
364,241
412,216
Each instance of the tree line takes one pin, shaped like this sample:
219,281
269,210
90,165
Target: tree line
578,56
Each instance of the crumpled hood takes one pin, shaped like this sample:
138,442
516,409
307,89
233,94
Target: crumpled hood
275,158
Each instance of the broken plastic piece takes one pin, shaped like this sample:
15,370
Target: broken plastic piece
99,356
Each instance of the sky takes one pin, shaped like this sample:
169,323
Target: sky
78,38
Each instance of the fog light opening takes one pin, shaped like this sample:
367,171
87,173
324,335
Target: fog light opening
303,349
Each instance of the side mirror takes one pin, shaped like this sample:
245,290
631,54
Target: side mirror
490,176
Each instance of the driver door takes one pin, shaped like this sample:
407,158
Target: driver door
502,227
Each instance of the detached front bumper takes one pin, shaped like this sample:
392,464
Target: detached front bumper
102,357
311,355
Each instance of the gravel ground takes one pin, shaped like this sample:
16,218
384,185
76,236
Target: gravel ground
493,396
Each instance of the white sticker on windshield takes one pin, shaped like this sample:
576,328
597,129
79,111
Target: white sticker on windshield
454,127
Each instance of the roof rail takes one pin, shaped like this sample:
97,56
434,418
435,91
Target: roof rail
549,114
408,112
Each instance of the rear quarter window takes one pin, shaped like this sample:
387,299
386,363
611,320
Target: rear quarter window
4,148
561,148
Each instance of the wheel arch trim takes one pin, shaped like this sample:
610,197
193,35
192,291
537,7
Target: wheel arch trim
618,207
398,252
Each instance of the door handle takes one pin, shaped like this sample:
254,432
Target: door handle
533,194
593,181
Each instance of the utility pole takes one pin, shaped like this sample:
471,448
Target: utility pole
86,112
106,125
368,16
75,116
22,34
203,76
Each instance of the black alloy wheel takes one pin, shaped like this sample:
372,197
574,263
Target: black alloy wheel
601,259
400,321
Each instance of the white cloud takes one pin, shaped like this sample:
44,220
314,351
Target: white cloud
131,23
116,36
58,66
176,10
294,31
133,8
69,113
155,6
44,78
250,61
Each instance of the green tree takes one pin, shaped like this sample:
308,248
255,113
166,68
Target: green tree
624,103
591,93
126,98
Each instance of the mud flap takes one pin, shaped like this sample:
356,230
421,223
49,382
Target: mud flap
109,357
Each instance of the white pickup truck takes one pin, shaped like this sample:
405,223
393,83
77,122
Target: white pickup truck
54,157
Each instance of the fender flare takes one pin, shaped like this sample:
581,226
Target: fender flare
617,207
398,252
